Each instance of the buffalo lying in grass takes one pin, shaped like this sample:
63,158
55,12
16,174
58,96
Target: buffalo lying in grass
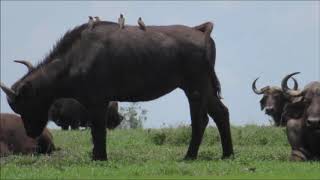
273,101
95,66
67,112
303,116
14,140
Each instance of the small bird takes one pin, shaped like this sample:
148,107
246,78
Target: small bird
91,22
141,24
121,21
97,18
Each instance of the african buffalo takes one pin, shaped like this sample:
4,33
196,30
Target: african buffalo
67,112
273,101
303,116
14,140
105,63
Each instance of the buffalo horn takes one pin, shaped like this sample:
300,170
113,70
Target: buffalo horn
9,92
286,89
295,87
26,63
255,90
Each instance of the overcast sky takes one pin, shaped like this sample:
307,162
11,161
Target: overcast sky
253,38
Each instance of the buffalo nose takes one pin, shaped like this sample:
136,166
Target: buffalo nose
269,110
313,122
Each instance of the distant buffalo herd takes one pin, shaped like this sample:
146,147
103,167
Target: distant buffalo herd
97,64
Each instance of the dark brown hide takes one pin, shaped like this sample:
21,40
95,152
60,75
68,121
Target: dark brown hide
14,140
303,114
95,66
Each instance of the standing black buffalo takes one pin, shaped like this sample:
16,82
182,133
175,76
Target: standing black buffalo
95,66
67,112
303,115
273,101
14,140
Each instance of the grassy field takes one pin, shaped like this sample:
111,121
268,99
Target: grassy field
260,152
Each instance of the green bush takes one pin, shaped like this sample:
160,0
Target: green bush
158,138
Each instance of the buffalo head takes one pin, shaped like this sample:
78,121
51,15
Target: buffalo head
273,100
21,99
306,104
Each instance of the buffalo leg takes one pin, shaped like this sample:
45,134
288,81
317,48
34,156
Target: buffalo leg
199,121
4,149
294,135
65,127
220,114
74,127
98,132
75,124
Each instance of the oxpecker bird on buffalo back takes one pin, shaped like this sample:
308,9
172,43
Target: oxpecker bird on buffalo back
142,26
121,21
97,18
90,23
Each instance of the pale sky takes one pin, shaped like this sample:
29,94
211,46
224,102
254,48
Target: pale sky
253,38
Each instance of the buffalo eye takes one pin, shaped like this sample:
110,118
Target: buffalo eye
26,90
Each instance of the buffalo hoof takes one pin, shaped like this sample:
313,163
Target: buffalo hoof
297,156
188,158
65,128
230,156
99,157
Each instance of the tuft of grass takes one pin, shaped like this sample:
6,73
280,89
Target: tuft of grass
248,135
260,153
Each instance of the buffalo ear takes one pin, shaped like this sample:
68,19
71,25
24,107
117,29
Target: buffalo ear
263,102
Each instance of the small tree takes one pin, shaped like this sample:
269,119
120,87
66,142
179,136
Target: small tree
134,116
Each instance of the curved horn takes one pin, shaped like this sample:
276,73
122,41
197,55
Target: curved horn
295,87
286,89
9,92
255,90
26,63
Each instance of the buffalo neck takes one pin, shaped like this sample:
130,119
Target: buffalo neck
45,81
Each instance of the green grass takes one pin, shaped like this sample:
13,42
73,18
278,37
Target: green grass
159,153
